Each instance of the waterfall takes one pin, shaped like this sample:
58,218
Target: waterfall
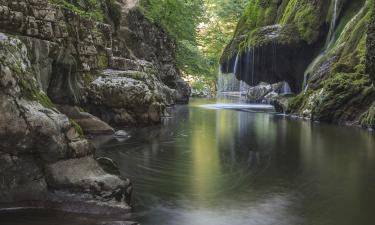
253,66
328,43
286,90
235,68
332,27
227,83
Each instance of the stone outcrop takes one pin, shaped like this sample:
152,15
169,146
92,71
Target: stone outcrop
125,97
39,144
63,71
68,51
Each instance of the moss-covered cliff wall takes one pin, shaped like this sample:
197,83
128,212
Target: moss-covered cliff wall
321,49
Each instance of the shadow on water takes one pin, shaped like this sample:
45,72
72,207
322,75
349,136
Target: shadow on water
244,165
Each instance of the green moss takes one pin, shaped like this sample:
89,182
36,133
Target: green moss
307,20
297,103
368,118
31,92
341,91
287,15
103,61
77,127
88,78
86,8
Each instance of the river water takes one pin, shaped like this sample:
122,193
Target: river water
219,163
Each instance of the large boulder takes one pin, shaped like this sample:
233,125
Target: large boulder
85,176
128,97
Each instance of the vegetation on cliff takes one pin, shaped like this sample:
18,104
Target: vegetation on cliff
338,85
201,29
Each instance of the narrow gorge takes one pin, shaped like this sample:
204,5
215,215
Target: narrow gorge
175,112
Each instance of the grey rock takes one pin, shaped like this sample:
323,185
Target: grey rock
108,165
84,175
21,178
90,124
121,133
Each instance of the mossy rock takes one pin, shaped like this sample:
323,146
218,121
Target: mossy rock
31,92
341,92
368,118
77,127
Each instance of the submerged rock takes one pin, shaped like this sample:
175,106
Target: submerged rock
121,134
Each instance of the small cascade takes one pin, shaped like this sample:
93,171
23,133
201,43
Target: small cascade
329,41
252,65
236,64
332,25
227,83
286,90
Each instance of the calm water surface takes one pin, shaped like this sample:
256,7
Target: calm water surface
234,165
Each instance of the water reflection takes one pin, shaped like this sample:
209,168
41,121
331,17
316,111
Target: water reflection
230,166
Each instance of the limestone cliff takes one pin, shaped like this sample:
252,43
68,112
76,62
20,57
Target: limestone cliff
60,62
318,47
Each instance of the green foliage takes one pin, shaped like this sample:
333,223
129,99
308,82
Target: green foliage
191,59
86,8
179,17
220,23
201,29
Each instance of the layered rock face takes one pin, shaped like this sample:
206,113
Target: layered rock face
68,53
319,48
58,66
37,141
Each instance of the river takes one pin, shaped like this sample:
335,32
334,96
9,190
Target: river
216,162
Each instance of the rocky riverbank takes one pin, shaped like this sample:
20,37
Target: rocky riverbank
68,69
